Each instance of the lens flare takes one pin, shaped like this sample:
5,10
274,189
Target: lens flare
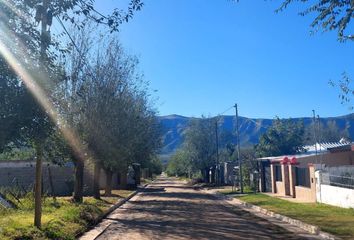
13,8
17,64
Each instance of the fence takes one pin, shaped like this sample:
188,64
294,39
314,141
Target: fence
345,180
335,186
342,176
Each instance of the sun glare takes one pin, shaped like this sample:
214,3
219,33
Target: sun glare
14,9
38,93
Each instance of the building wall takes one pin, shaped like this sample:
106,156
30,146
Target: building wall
307,194
287,187
336,196
304,194
21,174
330,159
280,188
292,180
285,177
272,175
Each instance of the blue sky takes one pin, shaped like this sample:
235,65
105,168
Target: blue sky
202,56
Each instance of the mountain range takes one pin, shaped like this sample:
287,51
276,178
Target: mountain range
251,129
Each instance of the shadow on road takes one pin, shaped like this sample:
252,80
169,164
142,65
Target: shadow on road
179,212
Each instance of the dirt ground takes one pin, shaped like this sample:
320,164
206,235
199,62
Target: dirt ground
169,209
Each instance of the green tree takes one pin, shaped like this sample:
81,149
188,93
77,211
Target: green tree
180,164
200,143
118,123
35,52
329,15
283,137
10,108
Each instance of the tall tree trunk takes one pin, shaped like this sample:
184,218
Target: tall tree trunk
96,181
38,143
38,186
79,181
108,189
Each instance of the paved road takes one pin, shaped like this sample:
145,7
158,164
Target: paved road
171,210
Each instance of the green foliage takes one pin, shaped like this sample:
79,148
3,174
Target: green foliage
329,15
283,137
155,165
346,90
23,120
117,121
62,219
17,154
55,230
200,143
179,164
249,165
199,150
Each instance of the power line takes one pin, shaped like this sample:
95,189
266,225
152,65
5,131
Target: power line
226,110
81,56
238,148
250,119
258,124
67,33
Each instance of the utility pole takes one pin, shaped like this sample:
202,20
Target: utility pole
43,13
238,149
320,138
314,132
217,174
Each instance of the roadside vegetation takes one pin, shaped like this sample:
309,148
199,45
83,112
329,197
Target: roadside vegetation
334,220
72,97
206,144
62,218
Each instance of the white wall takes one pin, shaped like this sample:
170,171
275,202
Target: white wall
332,195
336,196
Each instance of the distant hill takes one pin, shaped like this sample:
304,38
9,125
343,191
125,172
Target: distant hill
250,129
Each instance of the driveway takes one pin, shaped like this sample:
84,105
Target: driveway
169,209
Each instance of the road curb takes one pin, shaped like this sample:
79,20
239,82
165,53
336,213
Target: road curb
108,212
119,204
312,229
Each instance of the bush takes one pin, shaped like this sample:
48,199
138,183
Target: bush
24,233
55,229
90,214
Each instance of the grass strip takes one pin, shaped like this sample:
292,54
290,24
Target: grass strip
61,219
335,220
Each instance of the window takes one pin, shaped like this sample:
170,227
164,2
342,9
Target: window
278,176
302,177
